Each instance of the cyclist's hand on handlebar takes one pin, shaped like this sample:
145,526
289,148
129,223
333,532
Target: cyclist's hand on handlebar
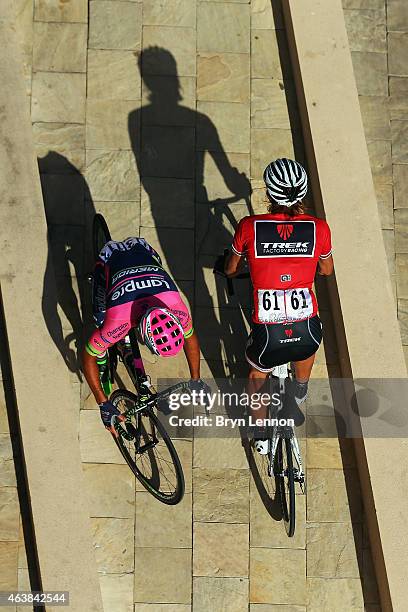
109,410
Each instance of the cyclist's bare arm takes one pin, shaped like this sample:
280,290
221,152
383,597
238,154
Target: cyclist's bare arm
326,266
192,353
91,373
233,264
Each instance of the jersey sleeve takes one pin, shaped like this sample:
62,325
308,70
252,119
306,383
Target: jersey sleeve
326,250
239,244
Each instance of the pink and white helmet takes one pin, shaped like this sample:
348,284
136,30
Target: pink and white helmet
161,332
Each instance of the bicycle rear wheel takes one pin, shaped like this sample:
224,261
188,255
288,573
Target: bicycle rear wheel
100,234
286,483
150,453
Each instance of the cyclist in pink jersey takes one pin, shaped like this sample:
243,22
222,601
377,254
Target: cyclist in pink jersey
131,289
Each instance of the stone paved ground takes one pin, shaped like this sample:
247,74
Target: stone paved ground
215,104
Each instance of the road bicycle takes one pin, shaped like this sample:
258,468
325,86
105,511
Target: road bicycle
141,437
284,461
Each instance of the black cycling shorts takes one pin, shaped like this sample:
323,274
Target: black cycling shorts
274,344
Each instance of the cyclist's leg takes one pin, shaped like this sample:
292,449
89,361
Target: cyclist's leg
311,332
257,345
303,368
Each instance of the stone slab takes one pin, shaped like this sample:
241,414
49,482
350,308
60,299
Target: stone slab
58,97
363,4
60,47
334,550
7,468
153,520
329,500
176,261
220,549
266,17
113,74
220,176
376,117
160,57
4,424
209,324
221,495
169,13
208,455
110,28
48,10
366,30
117,591
156,607
111,490
162,97
107,124
399,133
370,70
220,594
403,320
112,175
216,228
269,103
397,53
267,145
9,514
167,202
379,152
60,147
328,453
96,443
401,230
123,218
402,275
397,15
8,562
385,203
288,586
334,595
223,126
163,575
269,53
167,151
223,77
113,542
223,27
266,526
400,175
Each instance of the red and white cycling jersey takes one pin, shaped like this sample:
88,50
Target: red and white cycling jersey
282,254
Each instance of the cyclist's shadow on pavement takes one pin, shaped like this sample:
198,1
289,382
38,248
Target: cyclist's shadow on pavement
69,212
169,141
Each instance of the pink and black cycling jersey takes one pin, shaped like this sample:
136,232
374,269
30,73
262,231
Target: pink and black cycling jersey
129,280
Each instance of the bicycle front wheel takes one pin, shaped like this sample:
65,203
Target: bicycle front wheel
286,483
150,452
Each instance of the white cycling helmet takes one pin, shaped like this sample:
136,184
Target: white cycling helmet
286,181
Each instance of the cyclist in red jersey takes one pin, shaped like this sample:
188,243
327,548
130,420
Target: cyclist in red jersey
283,249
